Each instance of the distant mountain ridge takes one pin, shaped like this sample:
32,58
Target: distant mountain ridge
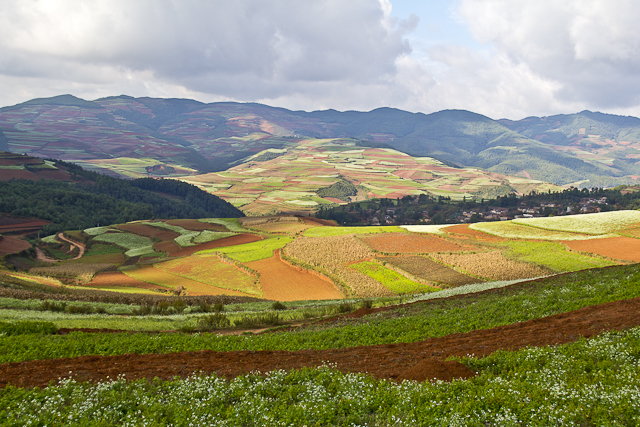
585,149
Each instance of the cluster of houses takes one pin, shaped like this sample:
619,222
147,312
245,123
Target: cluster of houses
394,215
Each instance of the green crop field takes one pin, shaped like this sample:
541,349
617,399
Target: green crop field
391,279
551,255
136,245
524,230
252,251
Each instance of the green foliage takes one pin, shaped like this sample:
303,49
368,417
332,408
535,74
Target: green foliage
252,251
391,279
433,318
551,255
136,245
590,382
341,190
27,327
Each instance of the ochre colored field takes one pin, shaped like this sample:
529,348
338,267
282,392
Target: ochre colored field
158,277
427,269
411,243
117,279
283,282
9,245
466,232
208,269
625,248
492,265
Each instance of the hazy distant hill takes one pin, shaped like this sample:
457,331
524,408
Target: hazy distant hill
138,136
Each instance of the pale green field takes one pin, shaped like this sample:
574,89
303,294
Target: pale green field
340,231
594,223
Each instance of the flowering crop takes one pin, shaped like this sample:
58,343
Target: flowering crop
594,223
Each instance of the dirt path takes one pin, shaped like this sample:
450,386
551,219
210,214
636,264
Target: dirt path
418,361
41,256
78,245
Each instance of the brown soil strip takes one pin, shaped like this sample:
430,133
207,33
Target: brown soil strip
419,361
411,243
467,232
117,279
625,248
10,245
281,281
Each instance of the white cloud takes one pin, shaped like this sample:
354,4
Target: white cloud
590,49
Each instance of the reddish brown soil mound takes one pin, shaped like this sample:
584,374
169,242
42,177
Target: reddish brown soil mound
118,279
411,243
149,231
283,282
626,248
467,232
395,361
9,245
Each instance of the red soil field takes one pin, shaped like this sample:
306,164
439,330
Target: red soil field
625,248
468,233
149,231
423,360
317,221
411,243
115,278
8,174
9,245
281,281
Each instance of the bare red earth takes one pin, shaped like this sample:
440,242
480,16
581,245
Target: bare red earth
417,361
9,245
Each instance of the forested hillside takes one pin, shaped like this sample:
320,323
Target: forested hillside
93,199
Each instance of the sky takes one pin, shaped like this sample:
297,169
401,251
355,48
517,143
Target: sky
501,58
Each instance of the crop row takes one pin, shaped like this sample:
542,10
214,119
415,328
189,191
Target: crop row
491,265
572,384
595,223
398,283
331,254
416,322
135,245
83,272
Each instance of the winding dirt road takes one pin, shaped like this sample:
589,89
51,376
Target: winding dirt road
40,255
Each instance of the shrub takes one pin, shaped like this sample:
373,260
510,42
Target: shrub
213,321
278,306
27,327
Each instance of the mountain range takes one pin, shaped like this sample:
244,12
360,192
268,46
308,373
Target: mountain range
182,137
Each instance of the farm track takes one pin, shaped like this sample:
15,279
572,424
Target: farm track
418,361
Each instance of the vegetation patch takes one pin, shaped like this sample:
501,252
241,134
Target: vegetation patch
491,265
210,270
595,223
252,251
516,230
135,245
551,255
391,279
427,269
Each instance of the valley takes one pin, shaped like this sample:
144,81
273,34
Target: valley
315,268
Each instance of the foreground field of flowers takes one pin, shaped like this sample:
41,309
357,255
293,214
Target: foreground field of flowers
590,382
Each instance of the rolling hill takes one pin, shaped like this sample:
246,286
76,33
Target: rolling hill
176,137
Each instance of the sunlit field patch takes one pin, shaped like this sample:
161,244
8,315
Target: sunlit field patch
594,223
341,231
252,251
391,279
210,270
514,230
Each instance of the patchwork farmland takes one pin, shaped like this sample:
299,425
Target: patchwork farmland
375,312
